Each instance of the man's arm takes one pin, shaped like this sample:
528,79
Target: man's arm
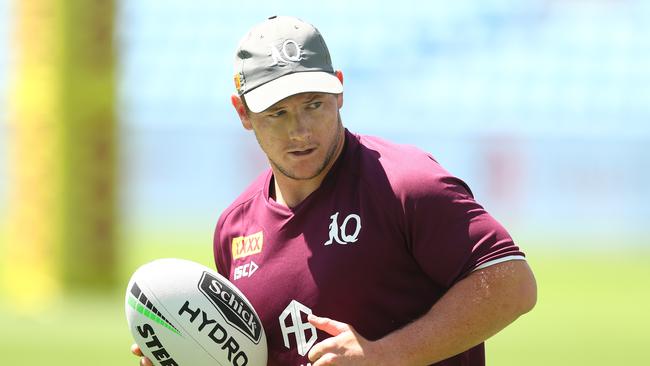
473,310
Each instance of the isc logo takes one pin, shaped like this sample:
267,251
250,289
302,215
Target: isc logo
246,270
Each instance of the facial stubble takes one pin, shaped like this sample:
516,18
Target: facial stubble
328,157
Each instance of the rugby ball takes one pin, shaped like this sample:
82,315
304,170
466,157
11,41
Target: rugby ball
182,313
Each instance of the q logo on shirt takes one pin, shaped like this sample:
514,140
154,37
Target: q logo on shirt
344,238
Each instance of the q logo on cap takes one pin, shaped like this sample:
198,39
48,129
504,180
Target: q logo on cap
291,52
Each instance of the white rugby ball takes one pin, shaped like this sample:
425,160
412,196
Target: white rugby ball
182,313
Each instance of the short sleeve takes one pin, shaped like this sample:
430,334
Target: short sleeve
450,234
219,245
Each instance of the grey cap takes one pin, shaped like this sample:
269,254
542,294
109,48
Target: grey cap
280,57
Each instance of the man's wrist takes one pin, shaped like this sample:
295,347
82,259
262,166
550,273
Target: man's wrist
387,353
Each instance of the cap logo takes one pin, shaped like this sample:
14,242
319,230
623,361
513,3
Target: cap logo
239,80
290,52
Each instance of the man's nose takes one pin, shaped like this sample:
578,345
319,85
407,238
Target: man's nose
299,128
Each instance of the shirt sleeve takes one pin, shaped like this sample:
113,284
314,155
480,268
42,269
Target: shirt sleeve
219,245
450,234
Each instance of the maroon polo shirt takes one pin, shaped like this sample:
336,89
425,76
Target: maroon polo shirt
387,233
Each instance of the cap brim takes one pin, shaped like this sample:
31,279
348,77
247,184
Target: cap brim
274,91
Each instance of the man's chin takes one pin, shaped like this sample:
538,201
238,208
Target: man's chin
302,177
300,174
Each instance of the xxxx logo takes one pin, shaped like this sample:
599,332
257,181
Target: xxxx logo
243,246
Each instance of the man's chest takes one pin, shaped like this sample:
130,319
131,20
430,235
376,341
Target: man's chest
313,254
331,264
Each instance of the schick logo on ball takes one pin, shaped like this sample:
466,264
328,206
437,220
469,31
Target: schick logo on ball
232,306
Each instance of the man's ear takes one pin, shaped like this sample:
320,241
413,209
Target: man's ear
241,111
339,97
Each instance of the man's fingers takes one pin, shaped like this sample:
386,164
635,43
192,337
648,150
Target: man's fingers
331,327
325,360
320,349
135,349
327,348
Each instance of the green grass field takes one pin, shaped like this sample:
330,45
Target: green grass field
592,310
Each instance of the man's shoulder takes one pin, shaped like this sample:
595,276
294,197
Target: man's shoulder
406,168
391,154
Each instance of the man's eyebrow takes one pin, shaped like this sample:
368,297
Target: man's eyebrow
311,98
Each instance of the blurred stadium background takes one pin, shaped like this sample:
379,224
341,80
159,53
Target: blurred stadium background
118,145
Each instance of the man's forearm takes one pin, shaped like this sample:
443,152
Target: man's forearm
473,310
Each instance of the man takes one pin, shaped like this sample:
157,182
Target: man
354,250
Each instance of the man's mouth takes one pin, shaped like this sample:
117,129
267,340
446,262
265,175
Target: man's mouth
302,152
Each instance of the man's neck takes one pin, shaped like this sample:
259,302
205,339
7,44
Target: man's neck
291,194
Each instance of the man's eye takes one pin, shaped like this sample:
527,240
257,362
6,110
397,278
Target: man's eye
278,113
314,105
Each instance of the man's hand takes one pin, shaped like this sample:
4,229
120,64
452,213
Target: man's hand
143,360
472,310
345,347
